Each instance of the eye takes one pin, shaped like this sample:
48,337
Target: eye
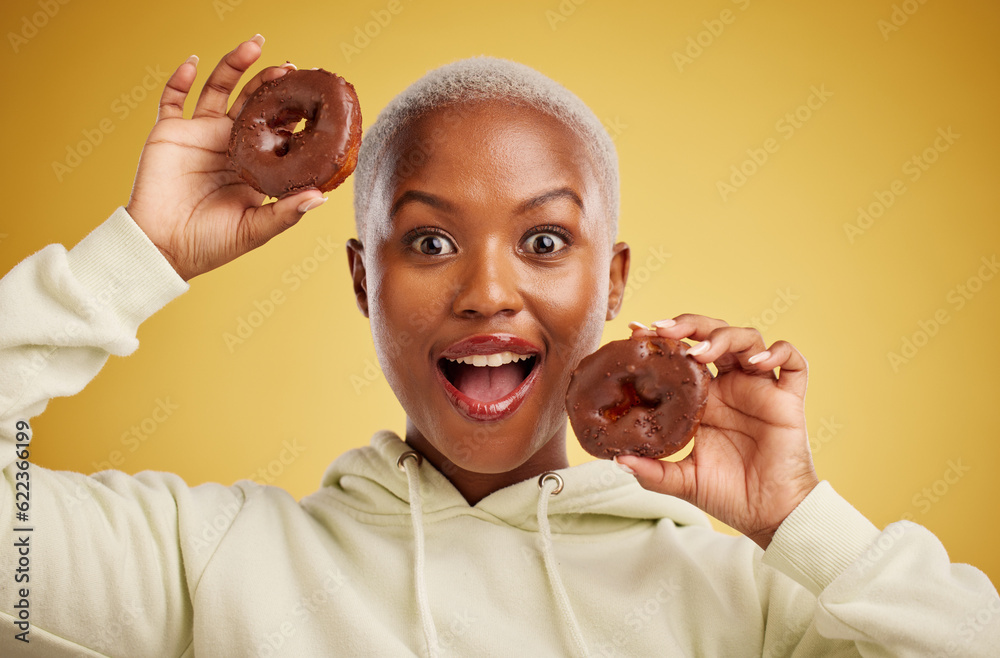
545,241
432,244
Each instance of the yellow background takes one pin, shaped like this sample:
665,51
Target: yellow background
306,375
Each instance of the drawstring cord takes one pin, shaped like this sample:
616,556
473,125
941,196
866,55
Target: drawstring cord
409,462
550,484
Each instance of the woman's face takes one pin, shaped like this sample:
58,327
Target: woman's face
487,278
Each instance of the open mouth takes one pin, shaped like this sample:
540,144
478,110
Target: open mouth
484,381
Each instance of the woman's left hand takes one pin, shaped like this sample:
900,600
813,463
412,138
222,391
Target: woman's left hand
751,464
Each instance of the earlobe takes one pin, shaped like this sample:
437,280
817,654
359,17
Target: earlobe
617,278
356,263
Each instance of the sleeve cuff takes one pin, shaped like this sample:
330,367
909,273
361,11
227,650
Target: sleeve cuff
819,539
124,270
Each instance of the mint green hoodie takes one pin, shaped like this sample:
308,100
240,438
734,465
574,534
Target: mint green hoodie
387,558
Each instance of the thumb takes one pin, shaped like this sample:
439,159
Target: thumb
271,219
672,478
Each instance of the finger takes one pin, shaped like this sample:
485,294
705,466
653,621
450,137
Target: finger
175,93
261,224
268,74
639,330
214,98
729,348
672,478
688,325
793,369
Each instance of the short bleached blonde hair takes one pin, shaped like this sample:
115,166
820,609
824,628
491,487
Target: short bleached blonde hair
482,79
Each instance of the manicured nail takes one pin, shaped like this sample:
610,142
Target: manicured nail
637,325
759,356
306,206
622,466
193,59
700,348
663,324
289,65
258,39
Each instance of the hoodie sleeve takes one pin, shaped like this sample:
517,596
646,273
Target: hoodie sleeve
91,565
890,593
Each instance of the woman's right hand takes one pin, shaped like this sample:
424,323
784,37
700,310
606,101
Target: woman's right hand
187,197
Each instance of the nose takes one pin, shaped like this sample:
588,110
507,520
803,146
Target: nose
489,285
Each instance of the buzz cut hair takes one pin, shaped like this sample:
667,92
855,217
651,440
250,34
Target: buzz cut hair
473,80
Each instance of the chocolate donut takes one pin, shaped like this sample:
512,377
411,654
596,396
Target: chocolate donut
640,396
274,159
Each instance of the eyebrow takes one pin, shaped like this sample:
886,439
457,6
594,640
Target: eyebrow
414,196
560,193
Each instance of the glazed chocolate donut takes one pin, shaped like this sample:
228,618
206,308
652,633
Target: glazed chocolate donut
275,160
640,396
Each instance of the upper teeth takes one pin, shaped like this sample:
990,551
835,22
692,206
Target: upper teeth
493,360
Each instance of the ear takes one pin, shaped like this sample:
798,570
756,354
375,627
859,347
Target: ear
356,263
618,277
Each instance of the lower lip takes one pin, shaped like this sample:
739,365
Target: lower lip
488,411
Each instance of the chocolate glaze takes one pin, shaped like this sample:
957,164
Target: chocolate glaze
276,161
641,396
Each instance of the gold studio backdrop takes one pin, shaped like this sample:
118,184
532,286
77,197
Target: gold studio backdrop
825,172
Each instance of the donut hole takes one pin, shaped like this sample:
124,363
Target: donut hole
286,125
630,399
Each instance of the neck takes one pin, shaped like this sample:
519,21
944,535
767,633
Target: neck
475,486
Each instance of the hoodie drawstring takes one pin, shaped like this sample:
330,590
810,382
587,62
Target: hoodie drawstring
409,462
550,484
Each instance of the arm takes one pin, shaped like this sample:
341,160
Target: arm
111,561
888,593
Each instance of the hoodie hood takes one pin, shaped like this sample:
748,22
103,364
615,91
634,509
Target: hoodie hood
597,496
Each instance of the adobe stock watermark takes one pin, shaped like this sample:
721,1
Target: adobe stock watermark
783,301
899,16
562,12
43,353
223,7
932,493
615,127
32,24
696,45
956,299
313,604
122,107
787,127
106,637
138,434
913,168
292,279
456,626
274,469
371,30
643,272
972,625
638,619
828,431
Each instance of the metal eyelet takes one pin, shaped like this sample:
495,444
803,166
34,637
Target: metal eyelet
409,454
549,475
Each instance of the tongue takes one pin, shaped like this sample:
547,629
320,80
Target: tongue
487,384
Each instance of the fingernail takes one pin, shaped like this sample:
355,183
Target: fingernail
622,466
289,65
193,59
637,325
258,39
758,357
663,324
306,206
700,348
